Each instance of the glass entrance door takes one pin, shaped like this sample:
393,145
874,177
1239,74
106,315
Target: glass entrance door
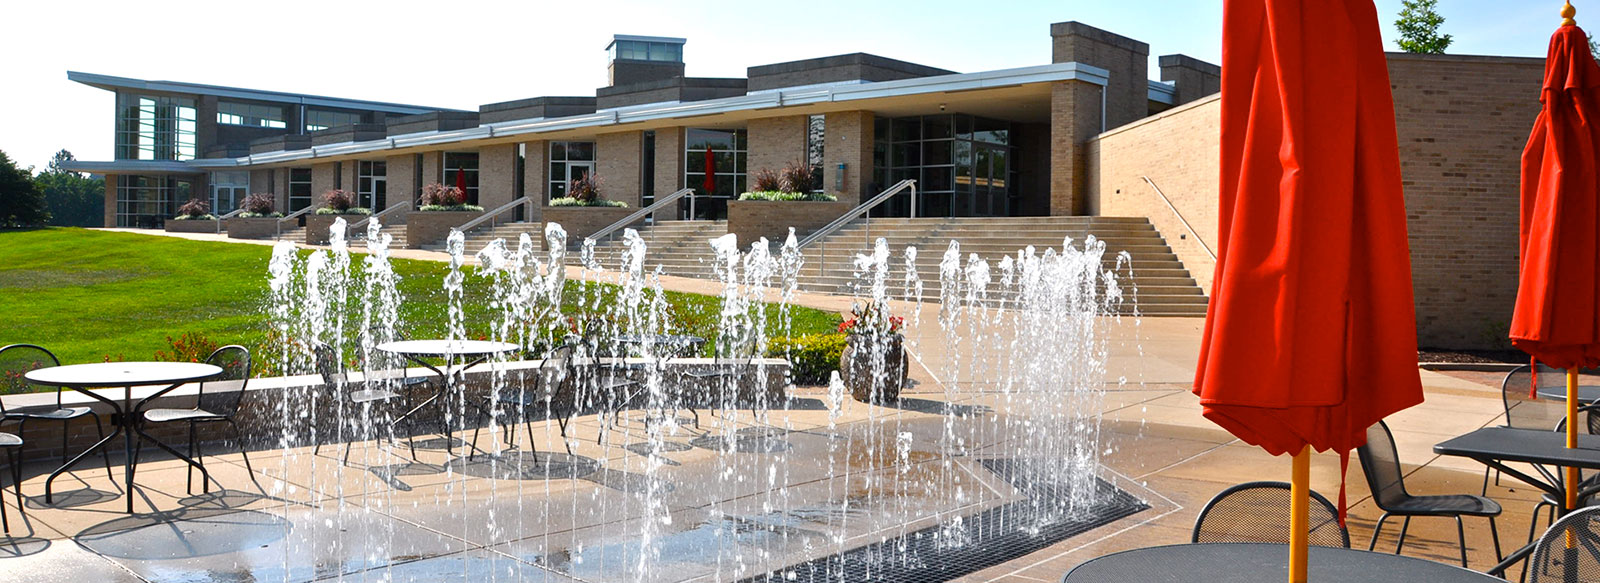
990,188
577,170
224,198
377,199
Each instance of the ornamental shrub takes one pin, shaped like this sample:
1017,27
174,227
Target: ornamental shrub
259,204
795,177
766,180
195,209
812,357
439,195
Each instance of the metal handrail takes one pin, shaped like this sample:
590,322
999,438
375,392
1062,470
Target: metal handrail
862,209
488,217
380,214
231,214
293,216
1175,212
639,214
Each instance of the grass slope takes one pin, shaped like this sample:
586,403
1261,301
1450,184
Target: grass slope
91,295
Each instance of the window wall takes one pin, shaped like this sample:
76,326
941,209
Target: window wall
321,119
228,190
727,149
569,161
962,165
372,184
461,168
148,201
646,51
155,128
816,134
299,188
250,115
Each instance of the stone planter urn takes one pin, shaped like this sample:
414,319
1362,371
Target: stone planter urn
191,226
582,221
874,384
429,227
251,228
317,226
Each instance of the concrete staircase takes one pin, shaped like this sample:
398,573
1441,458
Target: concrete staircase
681,248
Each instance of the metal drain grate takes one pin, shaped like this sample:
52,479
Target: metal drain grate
1000,534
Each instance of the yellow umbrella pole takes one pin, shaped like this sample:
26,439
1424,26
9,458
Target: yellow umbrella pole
1299,508
1572,435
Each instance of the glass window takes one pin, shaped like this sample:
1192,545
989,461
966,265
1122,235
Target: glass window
299,188
728,159
372,184
155,128
461,168
250,114
816,142
959,161
569,160
228,190
321,119
145,201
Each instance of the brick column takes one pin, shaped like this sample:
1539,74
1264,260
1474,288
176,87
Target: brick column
849,141
1193,77
669,165
1080,110
280,196
111,201
432,169
322,179
1128,60
497,167
349,171
400,174
617,162
1074,118
536,178
776,142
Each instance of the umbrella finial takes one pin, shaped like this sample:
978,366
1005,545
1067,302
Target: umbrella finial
1567,12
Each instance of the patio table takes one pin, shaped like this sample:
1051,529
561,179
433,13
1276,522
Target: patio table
677,344
1497,446
1586,393
125,416
1262,562
478,351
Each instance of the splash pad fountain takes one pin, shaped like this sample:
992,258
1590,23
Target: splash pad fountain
635,462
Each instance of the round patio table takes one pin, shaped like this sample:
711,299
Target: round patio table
677,344
99,375
1264,563
468,353
1586,393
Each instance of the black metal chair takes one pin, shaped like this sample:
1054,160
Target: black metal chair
1258,512
13,447
553,395
1380,462
1525,411
365,396
217,406
15,361
1569,550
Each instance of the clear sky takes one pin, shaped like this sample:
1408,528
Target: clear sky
463,53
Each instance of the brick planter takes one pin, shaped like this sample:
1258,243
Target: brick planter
251,228
429,227
753,219
191,226
582,221
317,227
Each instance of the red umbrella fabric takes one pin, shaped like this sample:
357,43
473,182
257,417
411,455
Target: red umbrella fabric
1311,332
710,183
1559,324
461,184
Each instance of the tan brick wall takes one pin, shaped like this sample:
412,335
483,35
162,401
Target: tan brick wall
281,195
849,141
432,168
111,200
581,221
669,165
322,179
497,168
400,172
776,142
1462,123
263,181
426,228
349,172
536,178
617,162
1127,60
751,220
1179,150
1074,118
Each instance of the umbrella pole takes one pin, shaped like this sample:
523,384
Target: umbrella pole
1299,508
1572,435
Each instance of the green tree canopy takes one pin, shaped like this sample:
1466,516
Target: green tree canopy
73,199
1419,28
21,202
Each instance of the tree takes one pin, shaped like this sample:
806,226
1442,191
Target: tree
1419,28
21,202
74,200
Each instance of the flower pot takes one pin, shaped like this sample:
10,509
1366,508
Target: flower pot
874,367
251,228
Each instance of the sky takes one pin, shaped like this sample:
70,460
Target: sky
464,53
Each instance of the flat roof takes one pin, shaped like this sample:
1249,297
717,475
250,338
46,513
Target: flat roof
646,39
114,83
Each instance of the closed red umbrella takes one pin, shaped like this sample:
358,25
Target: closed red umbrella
1557,317
1311,332
710,183
461,184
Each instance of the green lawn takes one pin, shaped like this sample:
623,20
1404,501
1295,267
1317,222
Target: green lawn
92,295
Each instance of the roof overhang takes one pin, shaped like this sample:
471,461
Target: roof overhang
1163,93
133,167
112,83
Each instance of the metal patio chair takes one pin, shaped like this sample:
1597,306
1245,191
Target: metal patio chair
1258,512
217,406
553,395
336,383
1380,463
1524,411
15,361
13,447
1569,550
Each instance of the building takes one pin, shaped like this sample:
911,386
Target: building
1086,133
